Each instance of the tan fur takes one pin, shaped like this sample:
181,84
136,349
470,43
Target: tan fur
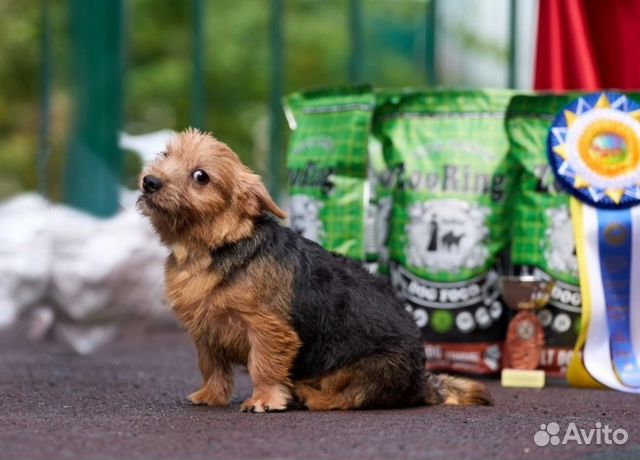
352,387
217,375
338,391
459,391
182,214
243,320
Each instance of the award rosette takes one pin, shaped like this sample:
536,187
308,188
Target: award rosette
594,151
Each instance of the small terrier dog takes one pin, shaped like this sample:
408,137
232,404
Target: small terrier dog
314,329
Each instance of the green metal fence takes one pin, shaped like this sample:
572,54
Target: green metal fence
94,161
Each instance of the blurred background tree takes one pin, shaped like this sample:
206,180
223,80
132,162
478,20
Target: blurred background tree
237,59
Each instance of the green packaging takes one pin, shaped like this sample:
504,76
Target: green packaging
327,167
382,182
448,153
543,244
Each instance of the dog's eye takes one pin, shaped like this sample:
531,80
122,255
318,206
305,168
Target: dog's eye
200,176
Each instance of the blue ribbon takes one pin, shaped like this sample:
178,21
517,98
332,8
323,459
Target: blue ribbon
614,240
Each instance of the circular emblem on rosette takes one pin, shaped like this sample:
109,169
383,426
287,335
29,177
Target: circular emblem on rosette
594,149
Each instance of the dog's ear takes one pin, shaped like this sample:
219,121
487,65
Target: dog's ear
256,199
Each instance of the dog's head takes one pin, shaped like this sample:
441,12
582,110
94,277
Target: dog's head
198,188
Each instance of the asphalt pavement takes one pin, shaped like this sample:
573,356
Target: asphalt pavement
128,401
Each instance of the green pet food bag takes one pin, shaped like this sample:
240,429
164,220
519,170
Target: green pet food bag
382,182
378,211
543,244
327,168
448,153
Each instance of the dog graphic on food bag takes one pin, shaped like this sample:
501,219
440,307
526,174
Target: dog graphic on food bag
447,235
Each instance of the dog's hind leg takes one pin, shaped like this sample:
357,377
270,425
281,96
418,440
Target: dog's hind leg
334,392
374,382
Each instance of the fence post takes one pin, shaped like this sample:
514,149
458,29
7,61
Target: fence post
94,162
275,97
44,147
513,43
430,43
355,33
198,103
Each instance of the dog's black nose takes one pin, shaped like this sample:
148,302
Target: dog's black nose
151,184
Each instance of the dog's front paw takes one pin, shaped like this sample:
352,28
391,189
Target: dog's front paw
270,399
260,405
206,397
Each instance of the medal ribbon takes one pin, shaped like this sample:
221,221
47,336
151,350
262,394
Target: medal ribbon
614,240
610,354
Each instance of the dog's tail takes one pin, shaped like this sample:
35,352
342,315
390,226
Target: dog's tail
445,389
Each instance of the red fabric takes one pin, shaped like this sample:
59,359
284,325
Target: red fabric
588,45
